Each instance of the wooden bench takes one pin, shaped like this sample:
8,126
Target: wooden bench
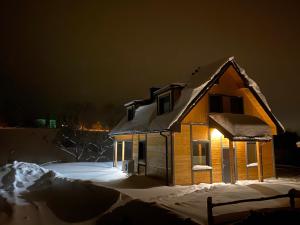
292,194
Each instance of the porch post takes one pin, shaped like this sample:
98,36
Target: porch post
123,153
259,161
115,154
232,162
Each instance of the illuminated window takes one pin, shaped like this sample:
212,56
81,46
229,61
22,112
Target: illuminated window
251,153
52,124
201,154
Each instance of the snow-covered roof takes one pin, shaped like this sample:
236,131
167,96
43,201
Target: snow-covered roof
239,127
146,118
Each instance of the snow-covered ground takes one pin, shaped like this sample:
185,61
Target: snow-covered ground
98,171
32,195
190,201
50,195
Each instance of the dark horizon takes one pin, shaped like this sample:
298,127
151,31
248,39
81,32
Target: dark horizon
58,54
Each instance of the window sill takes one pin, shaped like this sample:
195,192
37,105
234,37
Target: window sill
201,167
252,165
142,162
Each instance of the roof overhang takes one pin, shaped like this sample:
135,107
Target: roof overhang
240,127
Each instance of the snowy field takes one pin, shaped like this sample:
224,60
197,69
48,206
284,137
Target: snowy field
81,193
101,172
190,201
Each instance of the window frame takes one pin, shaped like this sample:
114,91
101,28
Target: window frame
144,160
223,107
210,105
163,95
208,161
247,154
130,116
242,101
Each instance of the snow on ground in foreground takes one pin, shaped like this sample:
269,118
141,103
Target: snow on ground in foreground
50,197
30,194
189,201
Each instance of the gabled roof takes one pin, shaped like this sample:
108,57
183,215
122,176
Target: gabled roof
147,120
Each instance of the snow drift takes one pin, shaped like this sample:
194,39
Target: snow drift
18,176
30,194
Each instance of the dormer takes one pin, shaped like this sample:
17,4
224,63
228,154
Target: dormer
131,107
167,96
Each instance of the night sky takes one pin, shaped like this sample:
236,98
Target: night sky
59,53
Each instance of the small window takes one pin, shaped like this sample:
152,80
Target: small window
142,151
201,153
215,104
164,104
237,105
130,113
251,153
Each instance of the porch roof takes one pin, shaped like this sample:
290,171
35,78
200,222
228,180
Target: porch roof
239,127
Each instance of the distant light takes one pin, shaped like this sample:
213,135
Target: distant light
216,134
298,144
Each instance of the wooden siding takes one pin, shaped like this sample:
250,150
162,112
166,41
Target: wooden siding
252,173
182,156
241,160
202,176
135,150
199,132
252,107
199,114
267,160
231,84
156,155
216,159
127,137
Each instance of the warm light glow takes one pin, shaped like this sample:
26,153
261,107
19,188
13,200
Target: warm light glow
95,127
216,134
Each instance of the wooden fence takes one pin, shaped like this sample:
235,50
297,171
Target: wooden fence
292,194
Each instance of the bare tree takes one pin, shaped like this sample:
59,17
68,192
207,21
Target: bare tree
85,146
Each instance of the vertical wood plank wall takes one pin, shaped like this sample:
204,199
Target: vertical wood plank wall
135,150
202,176
156,155
267,160
216,159
182,156
241,162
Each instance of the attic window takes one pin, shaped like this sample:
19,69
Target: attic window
226,104
130,113
164,103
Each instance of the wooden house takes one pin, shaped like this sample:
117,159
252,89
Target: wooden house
216,127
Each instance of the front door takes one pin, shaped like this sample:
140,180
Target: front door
226,166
